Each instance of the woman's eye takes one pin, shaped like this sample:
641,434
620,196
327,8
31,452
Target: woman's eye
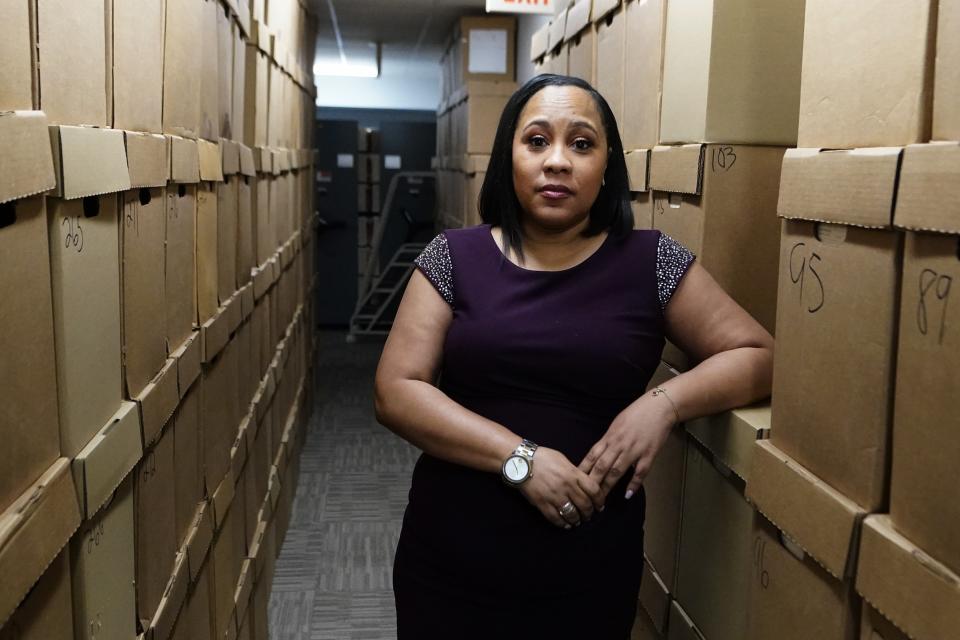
582,144
538,141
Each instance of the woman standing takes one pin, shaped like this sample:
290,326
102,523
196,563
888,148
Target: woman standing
518,363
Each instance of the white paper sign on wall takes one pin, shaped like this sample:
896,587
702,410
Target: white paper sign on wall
521,6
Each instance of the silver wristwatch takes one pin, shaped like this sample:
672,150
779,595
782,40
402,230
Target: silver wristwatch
518,468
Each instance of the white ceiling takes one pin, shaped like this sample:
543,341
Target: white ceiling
411,31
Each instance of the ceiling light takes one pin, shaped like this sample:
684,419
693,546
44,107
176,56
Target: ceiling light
347,69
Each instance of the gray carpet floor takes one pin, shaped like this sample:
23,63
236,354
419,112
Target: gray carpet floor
333,576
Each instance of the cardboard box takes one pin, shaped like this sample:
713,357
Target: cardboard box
107,458
73,88
154,524
719,202
730,436
37,525
183,36
225,572
194,620
218,420
245,229
172,603
645,23
654,599
88,161
47,611
839,295
580,42
27,341
922,504
188,357
187,462
638,169
642,206
180,258
826,525
238,97
184,160
102,558
914,591
207,278
26,164
265,236
707,97
136,62
227,212
713,570
147,160
643,628
946,86
142,274
209,71
834,112
17,77
256,98
199,540
225,28
487,48
538,43
85,274
792,597
873,626
611,40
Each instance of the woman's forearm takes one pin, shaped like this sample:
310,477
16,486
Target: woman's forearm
723,381
425,416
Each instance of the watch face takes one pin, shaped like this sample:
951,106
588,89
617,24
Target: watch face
516,468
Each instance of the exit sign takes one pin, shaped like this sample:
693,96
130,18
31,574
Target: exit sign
521,6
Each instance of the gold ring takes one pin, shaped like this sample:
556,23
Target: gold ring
567,509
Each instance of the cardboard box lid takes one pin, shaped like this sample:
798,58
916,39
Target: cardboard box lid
821,520
33,530
602,7
928,198
638,169
184,160
215,333
107,459
917,593
222,499
188,357
247,165
678,168
211,169
147,159
730,436
578,18
539,41
199,540
89,161
855,187
230,152
158,401
174,596
26,162
558,28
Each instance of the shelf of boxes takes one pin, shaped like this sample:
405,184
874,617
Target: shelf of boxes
161,344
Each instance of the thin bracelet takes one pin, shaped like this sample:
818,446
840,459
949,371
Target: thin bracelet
658,391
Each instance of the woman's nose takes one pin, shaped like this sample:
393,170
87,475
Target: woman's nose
557,160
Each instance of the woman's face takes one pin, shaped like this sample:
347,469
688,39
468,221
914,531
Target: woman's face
559,157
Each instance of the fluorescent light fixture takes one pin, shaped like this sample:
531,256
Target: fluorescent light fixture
347,69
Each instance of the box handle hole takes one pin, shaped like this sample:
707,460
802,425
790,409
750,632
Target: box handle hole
8,214
145,197
91,207
181,191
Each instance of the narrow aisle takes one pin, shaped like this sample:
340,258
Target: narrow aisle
333,575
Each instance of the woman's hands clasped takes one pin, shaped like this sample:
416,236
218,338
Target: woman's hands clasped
632,441
554,482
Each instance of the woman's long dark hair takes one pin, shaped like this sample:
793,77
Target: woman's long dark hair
498,201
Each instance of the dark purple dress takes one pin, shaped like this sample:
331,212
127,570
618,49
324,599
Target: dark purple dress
554,356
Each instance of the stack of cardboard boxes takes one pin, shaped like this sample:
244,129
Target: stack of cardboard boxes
369,165
479,70
857,494
156,250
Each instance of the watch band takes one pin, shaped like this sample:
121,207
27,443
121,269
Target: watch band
526,449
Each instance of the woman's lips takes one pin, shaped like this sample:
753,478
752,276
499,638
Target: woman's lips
555,192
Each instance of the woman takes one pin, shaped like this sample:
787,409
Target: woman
544,326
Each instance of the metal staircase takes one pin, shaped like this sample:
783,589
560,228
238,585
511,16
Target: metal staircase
378,293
